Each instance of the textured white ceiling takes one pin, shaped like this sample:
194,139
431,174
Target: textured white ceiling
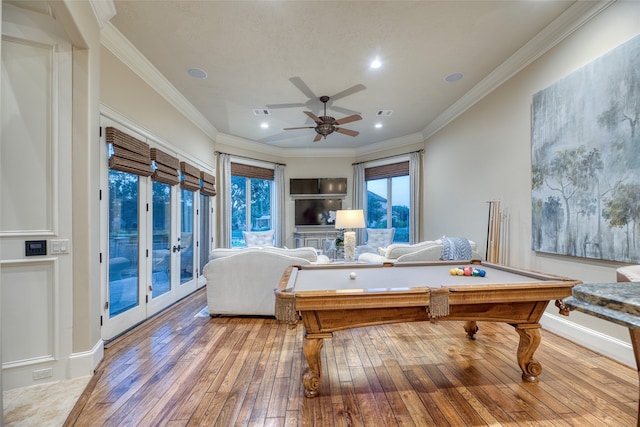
254,52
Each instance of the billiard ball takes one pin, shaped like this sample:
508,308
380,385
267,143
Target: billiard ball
352,275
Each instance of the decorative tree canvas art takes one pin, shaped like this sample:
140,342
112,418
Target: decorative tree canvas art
586,160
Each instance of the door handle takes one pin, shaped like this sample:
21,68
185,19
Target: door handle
176,248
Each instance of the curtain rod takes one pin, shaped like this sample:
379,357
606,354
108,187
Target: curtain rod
250,158
388,157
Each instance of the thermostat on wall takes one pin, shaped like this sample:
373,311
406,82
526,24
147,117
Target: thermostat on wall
35,247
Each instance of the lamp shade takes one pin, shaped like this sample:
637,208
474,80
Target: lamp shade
350,218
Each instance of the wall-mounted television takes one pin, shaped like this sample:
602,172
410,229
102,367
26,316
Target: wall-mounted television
317,186
315,212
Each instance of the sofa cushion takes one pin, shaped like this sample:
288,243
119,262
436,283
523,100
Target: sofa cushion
397,250
224,252
308,253
258,238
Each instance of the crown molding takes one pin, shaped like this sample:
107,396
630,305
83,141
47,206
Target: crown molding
104,10
566,24
126,52
402,141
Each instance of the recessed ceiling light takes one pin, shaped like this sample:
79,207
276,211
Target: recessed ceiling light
264,125
453,77
378,125
197,73
376,63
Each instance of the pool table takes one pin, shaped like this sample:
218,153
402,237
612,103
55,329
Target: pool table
335,297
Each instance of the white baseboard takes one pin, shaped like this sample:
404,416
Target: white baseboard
85,363
613,348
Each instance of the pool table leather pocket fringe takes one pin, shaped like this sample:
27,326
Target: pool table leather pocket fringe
438,303
286,309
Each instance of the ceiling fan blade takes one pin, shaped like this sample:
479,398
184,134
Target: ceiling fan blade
302,86
353,118
347,131
317,138
313,117
342,110
347,92
291,105
304,127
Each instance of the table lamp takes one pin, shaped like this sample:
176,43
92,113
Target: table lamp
350,219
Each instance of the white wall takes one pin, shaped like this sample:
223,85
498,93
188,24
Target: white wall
485,154
129,96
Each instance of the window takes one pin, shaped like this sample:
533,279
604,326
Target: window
388,198
251,200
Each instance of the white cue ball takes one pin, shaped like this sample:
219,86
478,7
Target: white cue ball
352,275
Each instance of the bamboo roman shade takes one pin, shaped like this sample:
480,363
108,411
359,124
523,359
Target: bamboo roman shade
191,177
129,154
208,184
248,171
167,167
386,171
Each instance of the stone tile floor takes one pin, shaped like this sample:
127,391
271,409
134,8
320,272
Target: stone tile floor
46,405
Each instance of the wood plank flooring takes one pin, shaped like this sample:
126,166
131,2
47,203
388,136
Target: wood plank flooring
182,370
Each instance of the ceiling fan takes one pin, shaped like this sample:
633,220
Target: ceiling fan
312,102
326,125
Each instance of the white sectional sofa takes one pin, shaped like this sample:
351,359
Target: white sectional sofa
241,281
430,250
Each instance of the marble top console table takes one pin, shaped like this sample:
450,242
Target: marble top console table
616,302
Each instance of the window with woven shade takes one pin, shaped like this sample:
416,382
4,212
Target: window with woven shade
128,154
386,171
166,167
248,171
208,184
191,177
388,198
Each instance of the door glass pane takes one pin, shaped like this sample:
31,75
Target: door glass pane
123,242
400,207
204,230
238,210
186,236
161,252
377,203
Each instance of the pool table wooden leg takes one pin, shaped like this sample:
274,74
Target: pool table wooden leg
311,376
529,342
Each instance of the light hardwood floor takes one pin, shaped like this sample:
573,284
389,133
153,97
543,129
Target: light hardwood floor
182,370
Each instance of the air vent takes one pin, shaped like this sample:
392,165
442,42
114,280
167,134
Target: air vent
261,112
384,112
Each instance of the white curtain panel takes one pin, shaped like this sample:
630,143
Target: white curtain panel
278,207
415,168
223,169
359,197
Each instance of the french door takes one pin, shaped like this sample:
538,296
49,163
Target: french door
152,249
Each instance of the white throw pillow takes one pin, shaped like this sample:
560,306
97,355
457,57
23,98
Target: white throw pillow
258,238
